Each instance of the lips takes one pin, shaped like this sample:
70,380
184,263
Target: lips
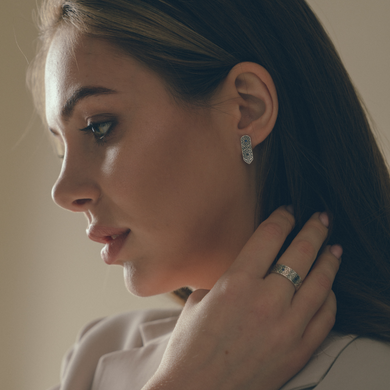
114,238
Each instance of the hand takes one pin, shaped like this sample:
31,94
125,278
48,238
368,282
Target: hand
252,330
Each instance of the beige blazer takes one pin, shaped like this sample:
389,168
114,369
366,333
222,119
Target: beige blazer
122,352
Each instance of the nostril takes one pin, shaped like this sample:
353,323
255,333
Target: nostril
81,202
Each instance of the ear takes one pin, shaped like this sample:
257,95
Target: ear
255,103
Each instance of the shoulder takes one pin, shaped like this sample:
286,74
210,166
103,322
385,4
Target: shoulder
128,324
345,362
119,335
363,364
120,332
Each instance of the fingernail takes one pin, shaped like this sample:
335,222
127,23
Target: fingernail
336,250
290,209
324,219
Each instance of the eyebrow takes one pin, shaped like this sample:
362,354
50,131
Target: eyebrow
82,93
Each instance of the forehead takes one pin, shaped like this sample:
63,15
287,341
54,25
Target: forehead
74,62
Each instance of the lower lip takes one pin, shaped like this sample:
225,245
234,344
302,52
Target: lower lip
111,250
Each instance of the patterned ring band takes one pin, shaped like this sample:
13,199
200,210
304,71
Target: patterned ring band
288,273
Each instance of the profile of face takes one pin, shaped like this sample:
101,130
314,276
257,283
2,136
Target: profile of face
162,184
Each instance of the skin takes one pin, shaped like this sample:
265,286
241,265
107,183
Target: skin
272,330
170,173
174,175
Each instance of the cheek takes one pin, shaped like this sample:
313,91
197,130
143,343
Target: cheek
166,172
110,164
143,176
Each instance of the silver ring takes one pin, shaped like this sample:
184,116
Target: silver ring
288,273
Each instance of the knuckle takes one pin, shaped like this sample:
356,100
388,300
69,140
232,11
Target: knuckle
232,286
306,248
271,306
273,230
324,281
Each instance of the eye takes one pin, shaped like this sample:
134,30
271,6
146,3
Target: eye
100,130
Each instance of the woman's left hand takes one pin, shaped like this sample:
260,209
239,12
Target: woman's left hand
252,330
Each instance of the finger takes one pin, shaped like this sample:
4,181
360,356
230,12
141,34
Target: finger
321,324
302,252
317,286
262,248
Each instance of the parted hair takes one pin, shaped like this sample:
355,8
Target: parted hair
321,154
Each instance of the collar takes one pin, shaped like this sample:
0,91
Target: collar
157,331
123,352
152,330
132,368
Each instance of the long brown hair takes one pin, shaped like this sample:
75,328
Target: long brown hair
321,155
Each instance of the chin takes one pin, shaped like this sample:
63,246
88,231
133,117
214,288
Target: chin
142,286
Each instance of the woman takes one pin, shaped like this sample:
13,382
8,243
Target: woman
185,127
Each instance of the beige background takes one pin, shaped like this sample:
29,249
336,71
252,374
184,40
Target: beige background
52,280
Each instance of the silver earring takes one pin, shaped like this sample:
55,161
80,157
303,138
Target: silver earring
246,148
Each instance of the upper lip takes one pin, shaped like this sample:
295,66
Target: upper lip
105,234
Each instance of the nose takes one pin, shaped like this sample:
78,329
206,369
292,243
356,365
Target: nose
75,189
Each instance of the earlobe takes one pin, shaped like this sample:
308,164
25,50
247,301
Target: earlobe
258,103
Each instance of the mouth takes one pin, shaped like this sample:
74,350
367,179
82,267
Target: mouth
113,238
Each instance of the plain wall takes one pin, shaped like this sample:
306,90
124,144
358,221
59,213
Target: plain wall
52,280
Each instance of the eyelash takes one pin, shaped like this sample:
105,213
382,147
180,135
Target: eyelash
94,128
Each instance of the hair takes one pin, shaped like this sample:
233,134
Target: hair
321,154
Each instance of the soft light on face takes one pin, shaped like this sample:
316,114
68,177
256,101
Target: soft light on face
163,186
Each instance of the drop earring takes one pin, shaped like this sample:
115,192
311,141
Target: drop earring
246,148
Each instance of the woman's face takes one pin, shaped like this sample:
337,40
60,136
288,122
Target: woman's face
162,186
